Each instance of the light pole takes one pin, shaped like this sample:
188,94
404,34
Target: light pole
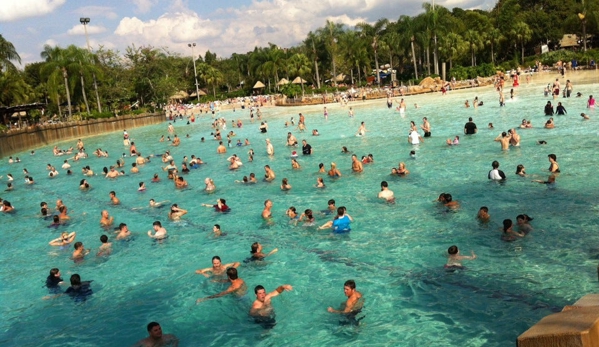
85,21
195,73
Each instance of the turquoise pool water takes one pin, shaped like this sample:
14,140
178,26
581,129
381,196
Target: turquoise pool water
395,252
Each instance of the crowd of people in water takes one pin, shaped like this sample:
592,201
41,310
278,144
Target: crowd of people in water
339,223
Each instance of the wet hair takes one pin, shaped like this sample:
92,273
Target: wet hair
331,202
75,279
448,197
122,225
151,326
232,273
320,166
217,226
350,283
54,271
254,247
340,211
384,184
216,257
112,192
292,208
484,208
141,184
308,213
55,219
157,223
507,223
525,217
553,156
78,245
104,238
44,211
519,168
453,250
495,164
257,288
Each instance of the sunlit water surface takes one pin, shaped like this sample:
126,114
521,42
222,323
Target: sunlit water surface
395,252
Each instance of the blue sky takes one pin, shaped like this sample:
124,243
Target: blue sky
223,27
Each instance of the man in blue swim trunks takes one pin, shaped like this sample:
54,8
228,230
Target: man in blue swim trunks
341,223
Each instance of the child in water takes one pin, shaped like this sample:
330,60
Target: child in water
454,259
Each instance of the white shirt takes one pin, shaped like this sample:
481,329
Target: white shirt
414,138
494,175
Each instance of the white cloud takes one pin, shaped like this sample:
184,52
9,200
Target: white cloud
51,42
78,29
168,29
96,11
144,6
17,9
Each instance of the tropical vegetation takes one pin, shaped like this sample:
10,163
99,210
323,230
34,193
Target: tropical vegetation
468,43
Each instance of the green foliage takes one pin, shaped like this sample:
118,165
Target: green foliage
555,56
463,73
98,115
291,90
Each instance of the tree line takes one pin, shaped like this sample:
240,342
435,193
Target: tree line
94,84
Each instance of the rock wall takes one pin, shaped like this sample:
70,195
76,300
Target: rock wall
14,141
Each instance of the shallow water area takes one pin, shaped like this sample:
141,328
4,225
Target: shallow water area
395,252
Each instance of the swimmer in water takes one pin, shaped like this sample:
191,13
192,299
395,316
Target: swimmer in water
508,233
80,251
159,232
217,269
386,193
483,214
257,254
123,232
176,212
237,286
352,306
454,259
106,247
156,338
106,220
262,310
64,239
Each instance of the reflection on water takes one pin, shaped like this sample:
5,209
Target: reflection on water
395,252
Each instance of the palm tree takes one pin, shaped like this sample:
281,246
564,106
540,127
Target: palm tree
211,76
13,89
407,27
330,34
56,65
374,32
450,45
355,52
494,37
522,33
475,40
300,64
8,54
431,16
311,49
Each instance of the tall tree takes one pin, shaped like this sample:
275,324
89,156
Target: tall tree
373,34
57,63
8,54
522,34
300,65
